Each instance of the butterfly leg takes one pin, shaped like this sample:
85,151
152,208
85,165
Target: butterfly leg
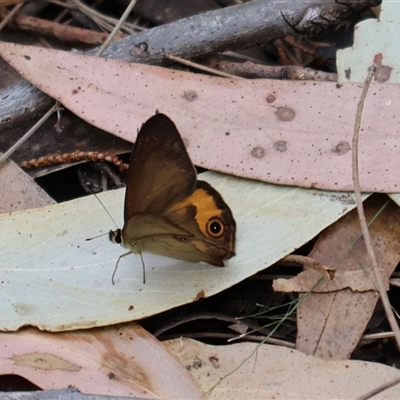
124,255
116,265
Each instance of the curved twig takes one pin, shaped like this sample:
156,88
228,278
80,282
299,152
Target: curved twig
360,209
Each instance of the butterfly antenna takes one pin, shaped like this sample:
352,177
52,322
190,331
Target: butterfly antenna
95,237
112,219
144,268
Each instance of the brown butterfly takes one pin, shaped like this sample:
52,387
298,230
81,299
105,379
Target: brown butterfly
167,210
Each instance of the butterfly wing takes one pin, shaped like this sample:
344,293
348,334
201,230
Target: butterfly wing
167,211
160,171
158,235
199,228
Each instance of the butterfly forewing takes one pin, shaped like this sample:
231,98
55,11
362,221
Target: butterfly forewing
160,171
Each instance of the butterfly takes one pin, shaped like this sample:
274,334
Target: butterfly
167,210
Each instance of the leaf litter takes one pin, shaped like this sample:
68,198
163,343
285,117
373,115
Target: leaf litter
352,298
121,360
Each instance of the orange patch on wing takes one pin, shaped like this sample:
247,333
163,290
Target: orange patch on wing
206,207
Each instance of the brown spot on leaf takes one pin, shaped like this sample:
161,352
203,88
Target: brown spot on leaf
383,72
271,98
75,91
214,361
197,363
280,145
341,148
285,113
200,295
45,361
258,152
378,59
190,95
24,309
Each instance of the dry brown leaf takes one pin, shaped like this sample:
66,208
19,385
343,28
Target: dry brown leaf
334,241
262,129
275,372
19,191
330,325
356,280
118,361
312,264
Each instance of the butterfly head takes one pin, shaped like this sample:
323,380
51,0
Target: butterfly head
116,236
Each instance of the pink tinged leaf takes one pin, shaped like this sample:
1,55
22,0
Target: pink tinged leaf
295,133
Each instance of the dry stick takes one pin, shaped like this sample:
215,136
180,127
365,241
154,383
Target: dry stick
376,336
102,20
201,67
116,28
254,70
364,228
10,15
52,28
228,336
394,282
235,27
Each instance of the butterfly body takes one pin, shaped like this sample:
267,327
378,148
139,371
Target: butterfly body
167,211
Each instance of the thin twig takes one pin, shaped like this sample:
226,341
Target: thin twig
257,70
201,67
376,336
360,209
394,282
104,21
52,28
195,317
227,336
116,28
10,15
